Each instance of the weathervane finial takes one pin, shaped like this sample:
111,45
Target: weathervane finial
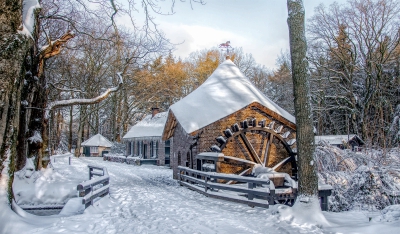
226,47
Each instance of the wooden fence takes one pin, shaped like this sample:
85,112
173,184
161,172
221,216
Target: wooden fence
94,187
258,192
256,188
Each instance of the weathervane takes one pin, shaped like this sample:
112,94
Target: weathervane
226,47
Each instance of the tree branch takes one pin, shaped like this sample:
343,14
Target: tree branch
79,101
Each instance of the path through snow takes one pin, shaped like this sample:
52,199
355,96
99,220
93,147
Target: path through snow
145,199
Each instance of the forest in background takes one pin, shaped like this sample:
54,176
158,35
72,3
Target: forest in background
354,70
79,72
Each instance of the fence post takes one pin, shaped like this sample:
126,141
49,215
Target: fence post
69,160
90,172
250,195
271,198
205,186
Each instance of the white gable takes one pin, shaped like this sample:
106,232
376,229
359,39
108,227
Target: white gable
148,127
97,140
226,91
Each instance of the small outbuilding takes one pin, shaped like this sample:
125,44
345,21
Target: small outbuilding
95,146
227,114
144,141
351,141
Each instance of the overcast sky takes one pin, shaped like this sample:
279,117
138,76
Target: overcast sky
258,26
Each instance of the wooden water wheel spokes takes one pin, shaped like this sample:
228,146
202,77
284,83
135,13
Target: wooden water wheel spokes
254,142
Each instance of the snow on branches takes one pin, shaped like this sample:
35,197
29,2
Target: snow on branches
368,180
84,101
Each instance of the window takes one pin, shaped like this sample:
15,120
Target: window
167,148
153,149
144,150
157,148
133,148
94,149
187,159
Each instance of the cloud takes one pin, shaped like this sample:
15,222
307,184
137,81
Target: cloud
195,37
190,38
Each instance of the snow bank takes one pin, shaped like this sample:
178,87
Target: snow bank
10,222
50,186
305,212
147,200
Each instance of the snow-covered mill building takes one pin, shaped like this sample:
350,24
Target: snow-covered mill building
228,114
144,139
96,146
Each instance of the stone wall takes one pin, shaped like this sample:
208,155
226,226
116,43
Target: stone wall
181,149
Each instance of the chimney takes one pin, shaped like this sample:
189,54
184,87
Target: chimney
154,111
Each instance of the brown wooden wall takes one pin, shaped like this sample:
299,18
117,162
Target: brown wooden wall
207,135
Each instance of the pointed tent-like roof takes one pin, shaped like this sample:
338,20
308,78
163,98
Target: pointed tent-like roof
148,127
226,91
97,140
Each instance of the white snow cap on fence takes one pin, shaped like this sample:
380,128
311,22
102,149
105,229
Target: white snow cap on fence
148,127
226,91
97,140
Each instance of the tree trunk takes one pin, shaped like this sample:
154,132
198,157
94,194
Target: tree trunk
14,48
308,180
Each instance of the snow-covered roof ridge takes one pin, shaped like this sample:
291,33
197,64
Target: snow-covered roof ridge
97,140
336,139
149,126
226,91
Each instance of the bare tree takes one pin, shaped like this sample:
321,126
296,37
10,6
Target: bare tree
354,55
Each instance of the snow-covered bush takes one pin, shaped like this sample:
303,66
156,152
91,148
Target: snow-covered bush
360,180
118,148
114,158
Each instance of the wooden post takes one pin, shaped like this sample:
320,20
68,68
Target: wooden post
90,173
250,195
205,186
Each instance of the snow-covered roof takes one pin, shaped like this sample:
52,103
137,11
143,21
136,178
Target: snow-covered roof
97,140
226,91
148,127
336,139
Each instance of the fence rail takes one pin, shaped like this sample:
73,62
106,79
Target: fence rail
94,187
259,192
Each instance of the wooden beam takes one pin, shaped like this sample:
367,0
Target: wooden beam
250,148
268,149
260,152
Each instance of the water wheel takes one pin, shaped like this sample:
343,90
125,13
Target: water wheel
250,142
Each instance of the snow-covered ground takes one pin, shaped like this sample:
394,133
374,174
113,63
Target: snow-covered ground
145,199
